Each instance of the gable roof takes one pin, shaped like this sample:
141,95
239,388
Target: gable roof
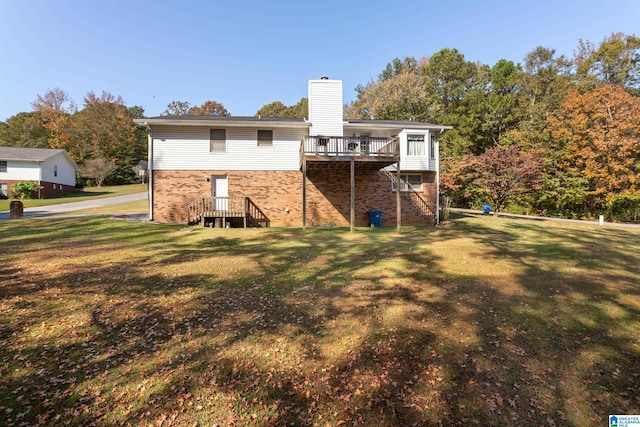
34,154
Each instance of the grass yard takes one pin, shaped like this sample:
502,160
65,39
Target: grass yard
87,193
484,321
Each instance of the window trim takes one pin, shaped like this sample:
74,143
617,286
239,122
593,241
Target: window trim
266,140
423,147
433,142
404,178
212,141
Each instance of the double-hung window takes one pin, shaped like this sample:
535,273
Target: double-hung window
408,182
416,145
265,138
3,165
218,140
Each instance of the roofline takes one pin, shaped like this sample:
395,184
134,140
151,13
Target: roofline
227,121
394,125
53,151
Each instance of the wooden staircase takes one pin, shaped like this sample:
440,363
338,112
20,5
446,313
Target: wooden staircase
205,210
427,211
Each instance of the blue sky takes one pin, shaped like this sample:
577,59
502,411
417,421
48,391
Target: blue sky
245,54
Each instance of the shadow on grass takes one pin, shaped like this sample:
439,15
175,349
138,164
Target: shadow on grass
279,328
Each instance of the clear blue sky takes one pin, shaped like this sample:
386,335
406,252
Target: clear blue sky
245,54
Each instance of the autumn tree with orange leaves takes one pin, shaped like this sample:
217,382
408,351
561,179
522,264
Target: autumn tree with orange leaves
600,133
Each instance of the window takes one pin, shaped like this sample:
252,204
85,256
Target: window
265,138
3,165
408,182
432,148
3,190
55,170
415,145
218,140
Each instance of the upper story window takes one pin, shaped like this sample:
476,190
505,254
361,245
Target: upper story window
218,140
265,138
3,165
408,182
433,144
416,145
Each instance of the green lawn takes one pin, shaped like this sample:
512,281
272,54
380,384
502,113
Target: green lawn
483,321
80,195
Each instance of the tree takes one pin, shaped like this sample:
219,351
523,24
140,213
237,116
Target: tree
209,108
97,169
615,61
54,108
505,172
184,108
105,128
278,109
24,130
398,97
177,108
600,134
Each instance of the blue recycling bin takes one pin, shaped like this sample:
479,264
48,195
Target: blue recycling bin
486,208
375,218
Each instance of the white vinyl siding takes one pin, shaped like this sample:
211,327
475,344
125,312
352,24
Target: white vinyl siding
415,151
58,169
188,148
325,107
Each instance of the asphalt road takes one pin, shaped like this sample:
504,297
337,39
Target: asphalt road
74,206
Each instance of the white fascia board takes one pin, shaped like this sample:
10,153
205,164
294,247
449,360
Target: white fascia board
223,123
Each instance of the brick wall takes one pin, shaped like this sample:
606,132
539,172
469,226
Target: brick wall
47,189
279,195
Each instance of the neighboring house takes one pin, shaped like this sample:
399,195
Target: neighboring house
54,170
290,172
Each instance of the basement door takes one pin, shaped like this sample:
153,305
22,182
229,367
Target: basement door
220,188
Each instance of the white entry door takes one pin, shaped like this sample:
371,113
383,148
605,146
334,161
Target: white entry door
220,188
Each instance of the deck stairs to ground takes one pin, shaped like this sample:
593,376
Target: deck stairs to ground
206,210
427,211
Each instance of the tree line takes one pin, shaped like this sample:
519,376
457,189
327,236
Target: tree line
553,135
100,136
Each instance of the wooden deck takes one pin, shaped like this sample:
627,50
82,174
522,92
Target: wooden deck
206,210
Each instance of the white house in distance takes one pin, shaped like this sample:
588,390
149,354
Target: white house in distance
52,169
321,170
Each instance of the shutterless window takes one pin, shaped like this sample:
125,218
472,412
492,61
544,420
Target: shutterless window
415,145
217,140
55,170
265,138
3,189
408,182
3,165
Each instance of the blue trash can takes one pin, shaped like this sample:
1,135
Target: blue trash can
486,208
375,218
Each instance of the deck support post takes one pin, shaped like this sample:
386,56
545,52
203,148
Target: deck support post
353,194
304,195
398,204
202,211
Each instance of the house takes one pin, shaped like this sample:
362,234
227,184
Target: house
324,170
52,169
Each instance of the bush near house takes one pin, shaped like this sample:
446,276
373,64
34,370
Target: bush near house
25,189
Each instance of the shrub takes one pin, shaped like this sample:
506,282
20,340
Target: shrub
25,189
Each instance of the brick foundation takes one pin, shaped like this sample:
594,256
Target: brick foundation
279,195
47,189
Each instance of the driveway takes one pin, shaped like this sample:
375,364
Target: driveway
74,206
